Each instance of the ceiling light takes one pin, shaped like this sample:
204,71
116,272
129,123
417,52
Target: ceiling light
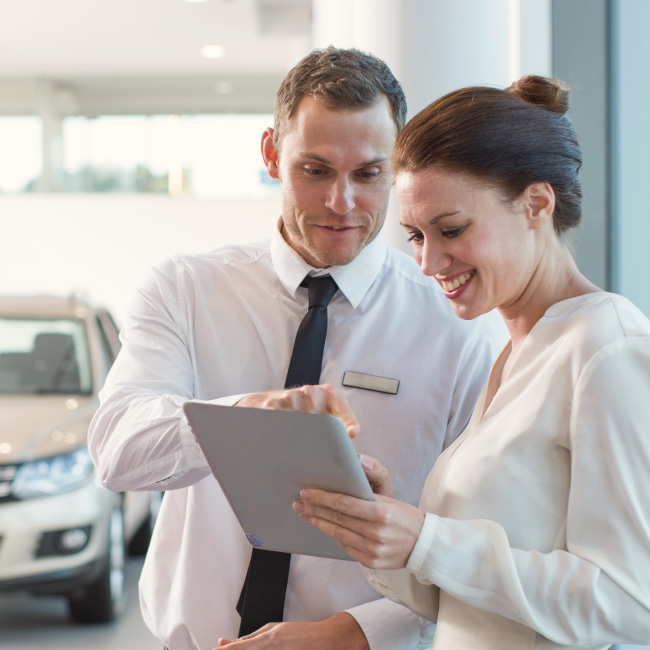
213,51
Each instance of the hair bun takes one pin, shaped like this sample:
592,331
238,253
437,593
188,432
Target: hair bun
551,94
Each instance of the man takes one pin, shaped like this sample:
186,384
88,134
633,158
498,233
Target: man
222,325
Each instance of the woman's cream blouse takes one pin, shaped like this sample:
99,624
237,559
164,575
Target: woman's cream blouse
539,532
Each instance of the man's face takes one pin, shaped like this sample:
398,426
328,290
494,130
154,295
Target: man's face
336,176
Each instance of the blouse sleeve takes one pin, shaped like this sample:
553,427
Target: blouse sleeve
598,589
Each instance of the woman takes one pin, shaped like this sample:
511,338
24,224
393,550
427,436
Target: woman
534,526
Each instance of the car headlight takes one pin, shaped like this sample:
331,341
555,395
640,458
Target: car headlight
52,475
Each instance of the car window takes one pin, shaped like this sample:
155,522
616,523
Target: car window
44,356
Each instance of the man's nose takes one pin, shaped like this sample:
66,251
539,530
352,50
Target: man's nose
340,197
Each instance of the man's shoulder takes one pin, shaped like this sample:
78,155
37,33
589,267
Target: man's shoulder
230,255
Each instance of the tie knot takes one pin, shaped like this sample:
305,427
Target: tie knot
321,290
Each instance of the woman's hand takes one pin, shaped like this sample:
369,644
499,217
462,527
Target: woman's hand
323,398
377,475
378,534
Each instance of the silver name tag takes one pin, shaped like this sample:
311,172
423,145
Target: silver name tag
371,382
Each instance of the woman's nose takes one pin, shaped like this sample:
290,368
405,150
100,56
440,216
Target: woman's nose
433,259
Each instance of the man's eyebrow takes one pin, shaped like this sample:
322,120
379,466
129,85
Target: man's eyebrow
325,161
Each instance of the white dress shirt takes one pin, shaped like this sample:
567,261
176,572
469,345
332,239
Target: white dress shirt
223,324
541,532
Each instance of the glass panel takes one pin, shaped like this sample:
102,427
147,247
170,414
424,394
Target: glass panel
21,158
44,356
206,156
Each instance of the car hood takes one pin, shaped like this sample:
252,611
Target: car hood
38,426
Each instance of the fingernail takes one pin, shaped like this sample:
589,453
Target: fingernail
366,462
299,506
305,494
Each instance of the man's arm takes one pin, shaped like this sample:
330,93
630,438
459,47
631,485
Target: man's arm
402,630
139,437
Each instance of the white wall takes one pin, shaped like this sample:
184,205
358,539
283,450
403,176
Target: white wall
101,246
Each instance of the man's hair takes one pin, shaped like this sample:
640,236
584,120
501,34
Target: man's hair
339,80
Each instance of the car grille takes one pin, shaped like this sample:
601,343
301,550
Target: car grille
7,473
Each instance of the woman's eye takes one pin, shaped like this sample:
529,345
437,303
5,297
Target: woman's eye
415,237
452,232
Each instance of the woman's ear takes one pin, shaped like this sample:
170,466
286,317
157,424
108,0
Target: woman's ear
539,202
270,154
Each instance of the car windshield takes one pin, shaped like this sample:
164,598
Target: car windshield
42,356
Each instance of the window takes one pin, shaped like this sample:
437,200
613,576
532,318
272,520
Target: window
21,158
205,156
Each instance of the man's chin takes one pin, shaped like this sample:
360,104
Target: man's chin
338,258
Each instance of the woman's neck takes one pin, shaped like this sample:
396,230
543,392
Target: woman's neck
555,279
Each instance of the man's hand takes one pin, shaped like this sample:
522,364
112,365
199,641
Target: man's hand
334,633
308,399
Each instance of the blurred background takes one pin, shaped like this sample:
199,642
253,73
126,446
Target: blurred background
130,130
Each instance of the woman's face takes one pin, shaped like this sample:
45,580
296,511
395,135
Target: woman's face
481,249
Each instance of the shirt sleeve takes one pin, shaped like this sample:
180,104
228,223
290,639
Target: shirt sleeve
389,626
139,437
598,589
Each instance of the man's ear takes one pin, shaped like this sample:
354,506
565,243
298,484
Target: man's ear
270,154
539,201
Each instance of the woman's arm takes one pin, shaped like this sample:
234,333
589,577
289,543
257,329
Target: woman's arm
597,590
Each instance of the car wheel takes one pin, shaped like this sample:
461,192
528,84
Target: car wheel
103,600
139,544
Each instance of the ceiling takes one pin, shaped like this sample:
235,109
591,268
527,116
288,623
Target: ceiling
63,39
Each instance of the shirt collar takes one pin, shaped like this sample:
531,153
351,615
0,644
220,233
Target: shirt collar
353,279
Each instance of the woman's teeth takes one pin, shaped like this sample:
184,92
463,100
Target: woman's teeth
456,282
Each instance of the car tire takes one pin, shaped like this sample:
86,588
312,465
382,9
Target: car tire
139,544
102,601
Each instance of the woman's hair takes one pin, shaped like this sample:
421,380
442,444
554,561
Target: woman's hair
507,138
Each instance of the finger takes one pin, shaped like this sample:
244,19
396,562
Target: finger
355,542
343,504
324,399
339,407
377,475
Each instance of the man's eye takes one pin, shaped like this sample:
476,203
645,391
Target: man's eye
368,175
314,171
452,232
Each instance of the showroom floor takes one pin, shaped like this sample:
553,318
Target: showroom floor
28,623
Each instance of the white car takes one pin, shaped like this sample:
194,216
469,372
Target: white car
61,533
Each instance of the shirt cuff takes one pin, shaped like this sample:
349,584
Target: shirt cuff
389,626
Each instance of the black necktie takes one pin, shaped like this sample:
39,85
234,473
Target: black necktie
262,595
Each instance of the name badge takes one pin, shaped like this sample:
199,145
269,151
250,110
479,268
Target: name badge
370,382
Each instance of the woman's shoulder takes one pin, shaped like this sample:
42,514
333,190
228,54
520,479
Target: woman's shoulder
590,322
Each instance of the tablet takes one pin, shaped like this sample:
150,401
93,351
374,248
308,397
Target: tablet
263,458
